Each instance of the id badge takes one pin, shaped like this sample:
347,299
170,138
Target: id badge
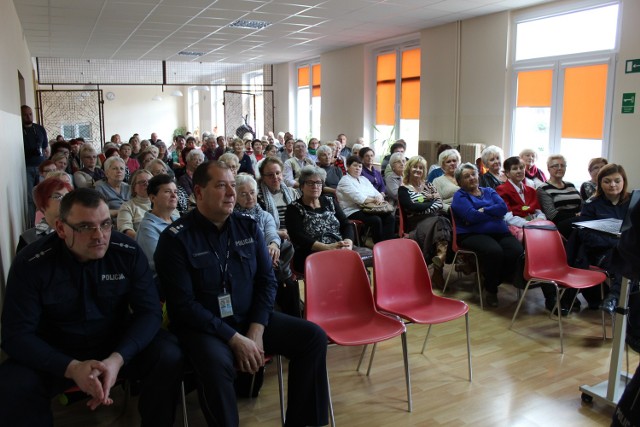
226,309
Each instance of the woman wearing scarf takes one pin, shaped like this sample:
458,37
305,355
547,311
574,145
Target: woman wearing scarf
533,175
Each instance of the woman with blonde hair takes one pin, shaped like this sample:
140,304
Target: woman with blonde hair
421,207
447,184
492,157
132,211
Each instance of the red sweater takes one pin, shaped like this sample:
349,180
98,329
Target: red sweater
514,203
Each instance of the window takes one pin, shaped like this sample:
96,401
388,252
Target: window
217,108
563,86
397,110
308,101
77,130
255,101
194,110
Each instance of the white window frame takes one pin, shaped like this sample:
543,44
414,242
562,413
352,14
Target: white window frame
310,112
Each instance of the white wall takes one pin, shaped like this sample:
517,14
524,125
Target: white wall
625,134
15,57
133,111
283,96
343,93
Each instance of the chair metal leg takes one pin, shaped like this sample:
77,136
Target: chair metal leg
364,350
524,292
604,328
466,323
478,278
373,353
185,420
332,418
453,267
281,388
406,370
559,294
424,345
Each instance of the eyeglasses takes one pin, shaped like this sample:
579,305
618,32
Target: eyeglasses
89,229
56,196
313,183
142,183
558,166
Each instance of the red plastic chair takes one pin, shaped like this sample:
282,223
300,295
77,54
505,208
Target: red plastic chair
546,262
401,220
403,288
338,298
458,250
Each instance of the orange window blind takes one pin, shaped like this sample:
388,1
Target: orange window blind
534,88
303,76
315,72
410,95
386,89
585,90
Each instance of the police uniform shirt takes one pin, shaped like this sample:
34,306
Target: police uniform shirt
58,309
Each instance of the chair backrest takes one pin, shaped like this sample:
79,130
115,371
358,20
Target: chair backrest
543,251
401,219
336,287
402,277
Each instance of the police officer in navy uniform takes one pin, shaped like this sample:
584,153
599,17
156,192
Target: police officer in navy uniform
216,272
81,309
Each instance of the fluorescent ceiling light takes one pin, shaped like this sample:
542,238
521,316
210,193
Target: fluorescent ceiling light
176,93
249,24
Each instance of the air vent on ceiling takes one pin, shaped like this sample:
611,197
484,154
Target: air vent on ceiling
190,53
250,24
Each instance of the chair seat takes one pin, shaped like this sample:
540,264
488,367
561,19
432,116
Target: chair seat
438,310
355,331
571,277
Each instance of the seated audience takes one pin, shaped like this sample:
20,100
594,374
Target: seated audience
132,211
293,165
270,151
273,194
492,158
393,181
397,147
354,191
193,158
446,184
355,149
560,201
521,199
113,188
422,209
611,200
226,322
588,188
333,173
312,149
317,222
280,251
44,168
163,195
480,227
90,174
374,176
131,162
81,310
244,164
435,170
532,173
287,149
47,196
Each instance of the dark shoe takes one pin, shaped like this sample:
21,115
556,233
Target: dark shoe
437,279
491,299
609,304
577,305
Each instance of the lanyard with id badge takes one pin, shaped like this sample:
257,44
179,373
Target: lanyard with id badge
224,299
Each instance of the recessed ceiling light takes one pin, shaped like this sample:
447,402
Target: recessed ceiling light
190,53
249,24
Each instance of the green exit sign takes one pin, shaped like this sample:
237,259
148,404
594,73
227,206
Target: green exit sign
632,66
628,102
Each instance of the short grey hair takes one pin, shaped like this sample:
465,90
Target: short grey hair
110,160
87,149
446,154
158,162
324,149
228,157
396,157
191,154
310,170
462,168
492,149
243,179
